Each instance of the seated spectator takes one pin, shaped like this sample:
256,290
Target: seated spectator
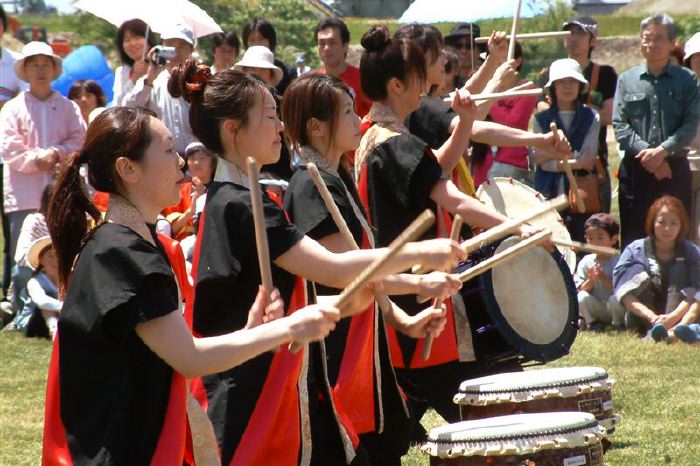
597,304
39,316
89,96
657,278
132,45
260,61
580,124
261,32
225,47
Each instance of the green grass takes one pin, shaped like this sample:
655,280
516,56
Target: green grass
656,395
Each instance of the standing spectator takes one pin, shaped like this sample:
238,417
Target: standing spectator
333,40
259,61
602,80
261,32
151,90
89,97
302,67
691,60
134,39
225,47
656,112
10,86
510,162
461,38
38,129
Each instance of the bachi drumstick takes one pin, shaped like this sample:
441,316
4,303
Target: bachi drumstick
533,35
454,236
516,18
569,173
585,246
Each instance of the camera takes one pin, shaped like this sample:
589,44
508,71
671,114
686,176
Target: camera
162,54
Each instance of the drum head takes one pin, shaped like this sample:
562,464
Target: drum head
532,300
538,379
513,198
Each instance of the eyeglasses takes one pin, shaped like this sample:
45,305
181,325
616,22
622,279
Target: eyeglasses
646,40
462,46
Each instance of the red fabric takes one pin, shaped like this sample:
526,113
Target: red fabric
101,200
277,409
171,443
177,262
351,77
180,208
55,450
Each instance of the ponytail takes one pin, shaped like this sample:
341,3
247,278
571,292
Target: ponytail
67,219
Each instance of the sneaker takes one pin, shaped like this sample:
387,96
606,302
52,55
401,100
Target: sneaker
685,333
6,309
618,328
597,327
658,332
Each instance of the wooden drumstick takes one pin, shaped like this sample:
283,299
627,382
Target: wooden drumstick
533,35
585,246
505,228
517,91
260,230
454,236
516,18
501,257
569,174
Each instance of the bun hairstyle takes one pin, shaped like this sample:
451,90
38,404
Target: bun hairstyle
228,94
385,58
116,132
311,96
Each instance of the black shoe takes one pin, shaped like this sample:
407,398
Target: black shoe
597,327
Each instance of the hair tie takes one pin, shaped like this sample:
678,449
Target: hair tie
199,80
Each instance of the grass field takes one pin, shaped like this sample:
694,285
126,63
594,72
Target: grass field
656,395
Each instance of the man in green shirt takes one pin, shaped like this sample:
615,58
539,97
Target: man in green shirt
655,116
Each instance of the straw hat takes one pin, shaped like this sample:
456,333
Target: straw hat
35,250
566,68
692,46
259,56
38,48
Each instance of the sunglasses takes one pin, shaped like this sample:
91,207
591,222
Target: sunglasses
462,46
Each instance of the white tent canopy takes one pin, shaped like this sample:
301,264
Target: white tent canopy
460,11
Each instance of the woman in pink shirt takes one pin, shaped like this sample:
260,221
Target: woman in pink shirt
508,161
38,129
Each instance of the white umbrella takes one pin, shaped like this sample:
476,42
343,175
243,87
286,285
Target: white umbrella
160,15
461,11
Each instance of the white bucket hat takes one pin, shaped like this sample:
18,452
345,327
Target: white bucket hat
32,49
35,250
179,31
259,56
692,46
566,68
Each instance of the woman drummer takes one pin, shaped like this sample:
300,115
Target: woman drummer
321,123
277,408
123,347
399,176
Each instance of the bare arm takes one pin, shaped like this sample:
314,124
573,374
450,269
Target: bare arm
474,213
636,307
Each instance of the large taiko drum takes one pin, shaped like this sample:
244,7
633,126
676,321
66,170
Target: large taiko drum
525,308
513,198
552,439
585,389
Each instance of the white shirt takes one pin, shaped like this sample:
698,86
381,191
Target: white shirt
10,84
123,85
174,113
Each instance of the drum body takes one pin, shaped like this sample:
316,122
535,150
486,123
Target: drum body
525,308
552,439
513,198
585,389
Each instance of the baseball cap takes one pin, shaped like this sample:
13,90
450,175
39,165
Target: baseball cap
586,23
179,31
471,30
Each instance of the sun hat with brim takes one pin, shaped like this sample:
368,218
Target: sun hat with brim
259,56
35,250
692,46
566,68
33,49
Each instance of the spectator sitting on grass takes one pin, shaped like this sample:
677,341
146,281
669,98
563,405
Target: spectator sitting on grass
597,303
39,316
658,277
